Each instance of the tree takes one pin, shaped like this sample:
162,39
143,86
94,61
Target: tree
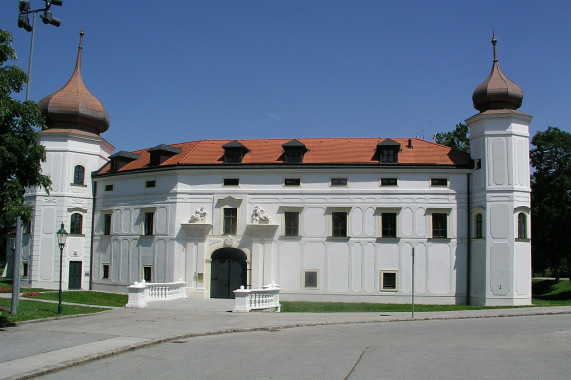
457,139
551,202
20,153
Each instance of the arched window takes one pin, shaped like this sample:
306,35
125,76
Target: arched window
78,175
76,225
521,226
479,227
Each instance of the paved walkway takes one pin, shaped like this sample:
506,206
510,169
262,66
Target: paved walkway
32,349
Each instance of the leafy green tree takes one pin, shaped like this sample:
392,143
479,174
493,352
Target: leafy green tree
457,139
20,153
551,202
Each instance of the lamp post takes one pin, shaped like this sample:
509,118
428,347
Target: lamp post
24,22
61,238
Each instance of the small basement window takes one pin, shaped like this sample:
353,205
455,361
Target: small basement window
388,281
310,279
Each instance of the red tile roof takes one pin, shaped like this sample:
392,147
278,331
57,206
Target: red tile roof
333,151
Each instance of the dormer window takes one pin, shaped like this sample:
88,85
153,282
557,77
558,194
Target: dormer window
388,151
120,159
294,152
234,152
161,153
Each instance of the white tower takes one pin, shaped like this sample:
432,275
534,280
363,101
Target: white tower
500,213
74,148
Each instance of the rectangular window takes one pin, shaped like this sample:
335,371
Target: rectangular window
108,187
439,182
231,182
105,271
292,182
388,155
25,267
148,226
107,224
27,228
148,273
310,279
291,220
339,224
389,224
151,184
338,181
388,181
76,224
230,221
439,225
388,281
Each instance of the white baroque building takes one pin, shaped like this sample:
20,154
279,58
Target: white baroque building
330,219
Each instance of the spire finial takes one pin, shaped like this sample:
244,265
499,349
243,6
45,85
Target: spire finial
494,42
81,38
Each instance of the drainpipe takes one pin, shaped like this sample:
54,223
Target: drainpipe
469,238
94,193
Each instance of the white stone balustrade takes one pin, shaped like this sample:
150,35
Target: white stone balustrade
257,299
140,293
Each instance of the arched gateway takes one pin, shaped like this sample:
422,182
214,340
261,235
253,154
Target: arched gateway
228,272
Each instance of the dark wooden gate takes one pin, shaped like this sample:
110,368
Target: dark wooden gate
74,275
228,272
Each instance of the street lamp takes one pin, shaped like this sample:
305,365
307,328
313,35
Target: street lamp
61,238
24,22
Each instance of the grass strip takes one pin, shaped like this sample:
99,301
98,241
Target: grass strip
87,298
29,310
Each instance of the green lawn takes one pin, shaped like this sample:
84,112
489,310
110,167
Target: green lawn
28,310
87,298
551,293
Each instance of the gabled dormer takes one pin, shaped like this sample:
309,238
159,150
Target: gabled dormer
234,152
294,151
388,151
121,158
161,153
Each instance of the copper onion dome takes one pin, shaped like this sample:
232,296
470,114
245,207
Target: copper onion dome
73,106
497,91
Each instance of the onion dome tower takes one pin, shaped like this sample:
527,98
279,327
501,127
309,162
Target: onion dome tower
73,106
74,149
497,91
500,246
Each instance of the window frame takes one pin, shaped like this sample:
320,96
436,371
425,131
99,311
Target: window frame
229,182
307,272
438,182
338,182
148,223
522,226
144,276
335,217
394,214
107,223
105,274
292,182
444,215
73,227
78,175
232,227
389,182
479,226
382,283
296,217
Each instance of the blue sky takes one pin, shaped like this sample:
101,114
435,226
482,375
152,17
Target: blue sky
175,71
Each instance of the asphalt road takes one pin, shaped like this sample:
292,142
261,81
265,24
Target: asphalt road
528,347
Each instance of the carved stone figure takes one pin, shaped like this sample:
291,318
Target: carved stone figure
198,216
260,216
